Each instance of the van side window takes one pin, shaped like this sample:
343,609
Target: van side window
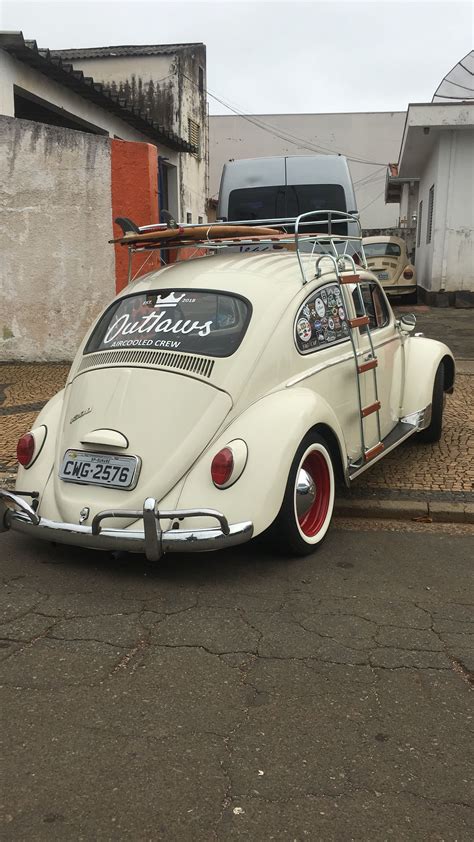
375,306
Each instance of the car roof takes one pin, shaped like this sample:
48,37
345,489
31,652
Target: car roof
253,275
384,239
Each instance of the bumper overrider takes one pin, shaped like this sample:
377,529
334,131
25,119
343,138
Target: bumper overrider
17,514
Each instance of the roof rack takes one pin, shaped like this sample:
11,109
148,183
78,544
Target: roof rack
272,233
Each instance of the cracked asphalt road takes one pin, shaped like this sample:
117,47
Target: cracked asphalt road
239,695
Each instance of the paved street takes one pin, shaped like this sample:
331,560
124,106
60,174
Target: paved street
239,695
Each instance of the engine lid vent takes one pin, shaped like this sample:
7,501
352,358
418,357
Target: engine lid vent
201,366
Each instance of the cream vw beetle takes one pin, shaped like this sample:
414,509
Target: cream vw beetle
221,397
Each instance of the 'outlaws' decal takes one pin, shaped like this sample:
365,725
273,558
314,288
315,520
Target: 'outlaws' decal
200,322
322,310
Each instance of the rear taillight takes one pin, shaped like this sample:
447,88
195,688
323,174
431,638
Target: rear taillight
408,274
25,449
222,467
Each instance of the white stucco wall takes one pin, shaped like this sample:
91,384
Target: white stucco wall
56,267
372,136
447,263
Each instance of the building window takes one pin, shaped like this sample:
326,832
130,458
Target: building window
429,221
194,134
189,218
418,224
201,80
200,220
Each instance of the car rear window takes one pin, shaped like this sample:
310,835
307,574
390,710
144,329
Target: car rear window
195,321
382,250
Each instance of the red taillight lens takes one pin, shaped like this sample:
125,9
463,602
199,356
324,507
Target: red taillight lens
25,449
408,274
222,466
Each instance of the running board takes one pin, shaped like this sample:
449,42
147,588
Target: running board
402,431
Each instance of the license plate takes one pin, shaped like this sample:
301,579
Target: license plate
100,469
383,276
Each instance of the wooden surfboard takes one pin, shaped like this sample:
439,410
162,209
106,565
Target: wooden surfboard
197,232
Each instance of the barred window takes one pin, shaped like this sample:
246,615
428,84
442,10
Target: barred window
419,222
429,221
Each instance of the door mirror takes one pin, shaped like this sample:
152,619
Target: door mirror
407,322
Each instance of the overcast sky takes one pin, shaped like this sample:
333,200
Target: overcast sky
277,57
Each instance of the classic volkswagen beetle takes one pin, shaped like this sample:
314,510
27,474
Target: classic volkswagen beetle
220,397
388,259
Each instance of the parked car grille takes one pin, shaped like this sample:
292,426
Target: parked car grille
154,359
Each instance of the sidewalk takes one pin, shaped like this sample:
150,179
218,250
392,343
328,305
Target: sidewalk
434,481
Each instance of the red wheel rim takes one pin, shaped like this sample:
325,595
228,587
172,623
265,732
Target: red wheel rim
316,466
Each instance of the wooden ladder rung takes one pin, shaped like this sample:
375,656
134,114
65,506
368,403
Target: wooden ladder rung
368,410
373,451
367,366
349,279
359,322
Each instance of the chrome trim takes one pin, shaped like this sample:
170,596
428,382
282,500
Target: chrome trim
305,493
150,540
321,366
9,497
416,420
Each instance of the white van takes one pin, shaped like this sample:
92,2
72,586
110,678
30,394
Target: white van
284,187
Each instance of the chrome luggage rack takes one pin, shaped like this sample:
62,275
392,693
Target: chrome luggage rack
214,238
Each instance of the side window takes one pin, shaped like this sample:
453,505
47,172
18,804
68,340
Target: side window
321,321
375,306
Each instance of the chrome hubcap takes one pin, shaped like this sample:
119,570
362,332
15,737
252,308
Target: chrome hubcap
305,493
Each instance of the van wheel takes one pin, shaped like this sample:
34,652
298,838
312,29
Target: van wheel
308,504
433,431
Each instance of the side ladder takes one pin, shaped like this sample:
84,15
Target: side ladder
363,368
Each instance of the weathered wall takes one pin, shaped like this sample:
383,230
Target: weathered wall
14,72
149,82
372,136
167,87
57,270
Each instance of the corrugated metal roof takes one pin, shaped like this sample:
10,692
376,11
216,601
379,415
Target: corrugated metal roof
64,73
130,50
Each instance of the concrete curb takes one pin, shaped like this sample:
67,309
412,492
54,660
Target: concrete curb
435,511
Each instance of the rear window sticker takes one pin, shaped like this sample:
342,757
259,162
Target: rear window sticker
321,320
304,330
320,308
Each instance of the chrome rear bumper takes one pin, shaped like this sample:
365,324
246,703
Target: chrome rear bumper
17,514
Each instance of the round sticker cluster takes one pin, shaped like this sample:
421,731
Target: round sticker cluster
322,320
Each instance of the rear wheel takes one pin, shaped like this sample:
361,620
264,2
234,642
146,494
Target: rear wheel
433,431
308,504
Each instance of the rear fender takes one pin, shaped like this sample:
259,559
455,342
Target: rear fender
422,358
272,428
36,477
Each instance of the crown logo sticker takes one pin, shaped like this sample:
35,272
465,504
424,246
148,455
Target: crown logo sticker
170,300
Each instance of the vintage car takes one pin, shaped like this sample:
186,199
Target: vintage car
222,397
387,258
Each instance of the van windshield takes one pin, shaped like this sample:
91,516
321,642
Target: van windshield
287,201
195,321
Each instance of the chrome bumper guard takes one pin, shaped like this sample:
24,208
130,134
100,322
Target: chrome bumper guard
17,514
